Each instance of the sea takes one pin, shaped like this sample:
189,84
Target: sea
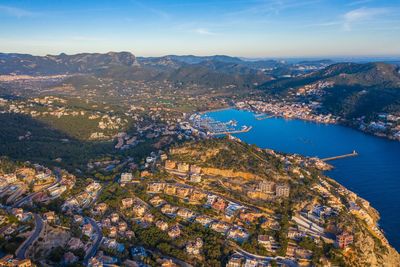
374,174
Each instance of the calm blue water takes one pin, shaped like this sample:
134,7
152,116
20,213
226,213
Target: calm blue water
374,174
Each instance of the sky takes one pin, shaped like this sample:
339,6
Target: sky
246,28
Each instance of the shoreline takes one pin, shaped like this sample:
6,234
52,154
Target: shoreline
342,123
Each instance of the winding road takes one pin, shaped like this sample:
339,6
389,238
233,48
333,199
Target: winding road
21,251
93,250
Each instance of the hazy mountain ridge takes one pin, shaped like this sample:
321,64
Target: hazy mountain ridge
354,89
63,64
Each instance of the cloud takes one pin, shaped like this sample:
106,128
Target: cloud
155,11
361,14
203,31
272,7
15,11
359,2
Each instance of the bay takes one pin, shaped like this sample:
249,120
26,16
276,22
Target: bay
374,174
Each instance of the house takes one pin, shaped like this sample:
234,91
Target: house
343,240
139,210
112,231
170,189
148,217
194,247
57,191
185,213
194,169
114,217
87,229
155,187
195,178
157,201
170,165
122,226
174,231
197,196
168,263
267,187
18,212
211,199
220,204
183,192
9,178
237,233
168,209
183,167
49,217
282,190
101,208
93,187
94,262
295,234
127,202
203,220
268,242
220,227
163,226
126,177
235,261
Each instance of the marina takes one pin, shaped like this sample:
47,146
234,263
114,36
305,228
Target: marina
214,127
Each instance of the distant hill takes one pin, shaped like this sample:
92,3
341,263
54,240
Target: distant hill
355,89
63,64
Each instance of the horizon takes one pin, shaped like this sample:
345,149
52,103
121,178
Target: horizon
250,29
260,58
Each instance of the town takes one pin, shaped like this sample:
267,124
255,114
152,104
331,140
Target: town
172,211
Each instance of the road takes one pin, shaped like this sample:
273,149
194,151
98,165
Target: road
278,259
97,242
21,251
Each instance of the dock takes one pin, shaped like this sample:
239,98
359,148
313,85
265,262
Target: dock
260,118
232,132
353,154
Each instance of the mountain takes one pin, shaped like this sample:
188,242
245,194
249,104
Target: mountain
347,89
213,71
63,64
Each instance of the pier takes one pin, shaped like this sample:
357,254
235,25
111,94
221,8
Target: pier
232,132
353,154
260,118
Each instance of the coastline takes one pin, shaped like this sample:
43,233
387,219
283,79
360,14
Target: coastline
341,122
353,181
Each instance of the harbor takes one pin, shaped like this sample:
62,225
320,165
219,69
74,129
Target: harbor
214,127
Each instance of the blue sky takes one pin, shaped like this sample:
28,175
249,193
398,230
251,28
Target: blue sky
250,28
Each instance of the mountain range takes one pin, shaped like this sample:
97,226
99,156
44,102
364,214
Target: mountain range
213,71
354,89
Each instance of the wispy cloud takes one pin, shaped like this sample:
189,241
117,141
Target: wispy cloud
361,14
204,31
158,12
15,11
272,7
358,2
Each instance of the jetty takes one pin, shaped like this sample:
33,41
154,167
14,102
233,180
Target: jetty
232,132
262,116
353,154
